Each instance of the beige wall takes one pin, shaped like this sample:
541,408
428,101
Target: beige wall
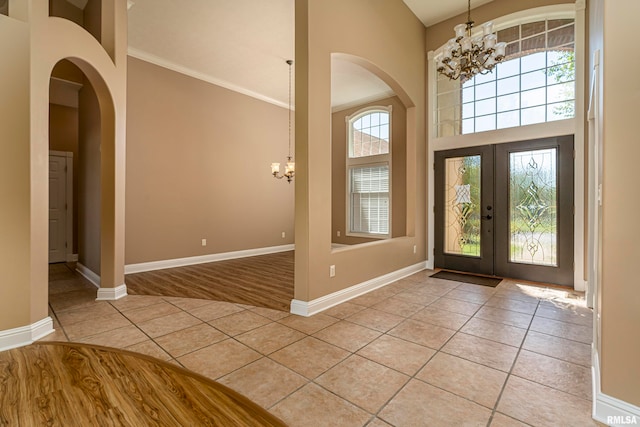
15,241
64,9
339,175
198,167
89,185
92,18
395,52
620,311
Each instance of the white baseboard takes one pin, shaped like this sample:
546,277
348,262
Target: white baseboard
112,294
607,409
88,274
181,262
309,308
72,257
429,264
25,335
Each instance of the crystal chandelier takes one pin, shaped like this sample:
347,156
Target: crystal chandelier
290,168
465,56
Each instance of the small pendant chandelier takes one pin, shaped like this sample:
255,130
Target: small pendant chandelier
289,170
465,56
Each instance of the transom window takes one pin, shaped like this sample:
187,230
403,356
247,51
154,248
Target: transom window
535,83
368,173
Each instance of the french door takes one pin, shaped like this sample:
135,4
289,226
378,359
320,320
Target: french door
507,210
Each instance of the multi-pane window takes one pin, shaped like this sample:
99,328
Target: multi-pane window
369,134
535,83
368,173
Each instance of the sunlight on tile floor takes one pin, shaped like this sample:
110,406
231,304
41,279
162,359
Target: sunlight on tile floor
417,352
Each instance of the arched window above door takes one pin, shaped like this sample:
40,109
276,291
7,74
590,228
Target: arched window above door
535,83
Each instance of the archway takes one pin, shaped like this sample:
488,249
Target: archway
82,127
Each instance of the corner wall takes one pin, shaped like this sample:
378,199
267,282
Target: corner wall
15,242
389,41
619,294
31,43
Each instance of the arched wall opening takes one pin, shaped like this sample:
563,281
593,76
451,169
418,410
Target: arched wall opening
82,127
358,85
75,133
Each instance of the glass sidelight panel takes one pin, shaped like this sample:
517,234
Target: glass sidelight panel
533,212
462,205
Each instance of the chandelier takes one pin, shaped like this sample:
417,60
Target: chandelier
465,56
290,168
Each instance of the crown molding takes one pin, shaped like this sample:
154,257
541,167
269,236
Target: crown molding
162,62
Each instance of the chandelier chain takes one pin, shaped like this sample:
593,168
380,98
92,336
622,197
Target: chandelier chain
290,62
290,167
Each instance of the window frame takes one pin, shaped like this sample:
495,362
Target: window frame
518,19
367,161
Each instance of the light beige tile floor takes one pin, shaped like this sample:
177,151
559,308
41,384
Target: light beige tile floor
417,352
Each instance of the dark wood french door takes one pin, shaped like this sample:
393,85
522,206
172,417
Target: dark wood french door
507,210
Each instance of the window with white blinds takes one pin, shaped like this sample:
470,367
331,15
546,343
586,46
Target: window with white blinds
369,193
368,173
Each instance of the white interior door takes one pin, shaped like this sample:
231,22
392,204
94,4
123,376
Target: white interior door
57,209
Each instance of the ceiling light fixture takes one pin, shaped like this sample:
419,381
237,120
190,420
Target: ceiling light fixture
465,56
290,168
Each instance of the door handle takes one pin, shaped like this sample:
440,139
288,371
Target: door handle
486,217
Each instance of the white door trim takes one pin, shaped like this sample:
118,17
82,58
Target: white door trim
69,200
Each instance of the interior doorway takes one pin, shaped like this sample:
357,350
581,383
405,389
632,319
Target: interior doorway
507,210
60,206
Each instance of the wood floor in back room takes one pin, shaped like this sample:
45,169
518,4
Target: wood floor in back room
261,281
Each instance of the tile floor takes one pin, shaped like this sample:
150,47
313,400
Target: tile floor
417,352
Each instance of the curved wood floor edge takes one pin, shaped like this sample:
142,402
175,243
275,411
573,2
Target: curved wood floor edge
72,384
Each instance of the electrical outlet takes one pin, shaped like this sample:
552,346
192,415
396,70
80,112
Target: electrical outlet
332,271
338,233
414,249
283,234
204,242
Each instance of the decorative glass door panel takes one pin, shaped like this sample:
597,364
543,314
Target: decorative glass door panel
464,229
462,211
528,233
533,196
535,179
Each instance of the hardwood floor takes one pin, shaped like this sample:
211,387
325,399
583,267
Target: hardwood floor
261,281
69,384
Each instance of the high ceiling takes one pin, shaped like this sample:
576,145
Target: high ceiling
433,11
243,44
